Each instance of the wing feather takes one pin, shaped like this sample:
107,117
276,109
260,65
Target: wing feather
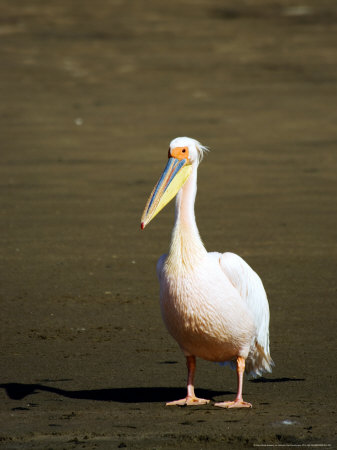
251,289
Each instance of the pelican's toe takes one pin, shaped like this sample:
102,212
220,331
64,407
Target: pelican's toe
234,404
188,401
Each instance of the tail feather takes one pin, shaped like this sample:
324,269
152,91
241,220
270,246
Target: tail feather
258,361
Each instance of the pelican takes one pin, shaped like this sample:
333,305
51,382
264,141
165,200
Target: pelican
214,305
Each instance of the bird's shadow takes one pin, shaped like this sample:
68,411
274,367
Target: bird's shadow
18,391
275,380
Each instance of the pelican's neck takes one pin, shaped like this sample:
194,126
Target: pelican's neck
186,247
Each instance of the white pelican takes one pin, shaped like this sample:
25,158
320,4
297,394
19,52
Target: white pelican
214,305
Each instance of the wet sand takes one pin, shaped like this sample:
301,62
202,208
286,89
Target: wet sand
91,95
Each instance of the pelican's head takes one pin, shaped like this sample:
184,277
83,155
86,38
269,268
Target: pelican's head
183,154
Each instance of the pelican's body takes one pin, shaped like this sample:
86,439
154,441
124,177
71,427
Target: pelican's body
208,322
214,305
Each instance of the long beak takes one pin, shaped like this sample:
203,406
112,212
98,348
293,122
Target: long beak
172,179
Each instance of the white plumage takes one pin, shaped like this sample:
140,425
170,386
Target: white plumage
214,305
251,290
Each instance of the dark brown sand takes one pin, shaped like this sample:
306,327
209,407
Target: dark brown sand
91,95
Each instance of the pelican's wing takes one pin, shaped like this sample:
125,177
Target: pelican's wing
251,289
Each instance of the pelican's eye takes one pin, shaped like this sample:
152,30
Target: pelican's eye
180,153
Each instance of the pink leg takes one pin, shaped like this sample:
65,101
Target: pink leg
190,399
238,402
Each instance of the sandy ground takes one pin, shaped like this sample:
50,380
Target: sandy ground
91,95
